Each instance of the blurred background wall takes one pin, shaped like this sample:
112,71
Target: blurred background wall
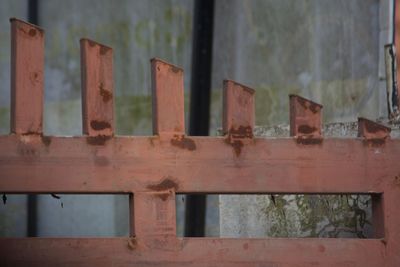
328,51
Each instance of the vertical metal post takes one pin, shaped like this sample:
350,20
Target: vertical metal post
200,101
33,17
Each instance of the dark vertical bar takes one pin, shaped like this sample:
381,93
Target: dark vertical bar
33,17
396,41
200,102
33,11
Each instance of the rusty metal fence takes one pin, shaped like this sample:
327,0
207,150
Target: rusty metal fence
152,169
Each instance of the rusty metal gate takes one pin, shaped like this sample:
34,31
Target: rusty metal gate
152,169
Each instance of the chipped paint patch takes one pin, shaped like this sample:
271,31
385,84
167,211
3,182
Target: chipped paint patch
104,93
99,125
46,140
374,142
236,136
132,243
183,142
163,196
167,183
308,140
99,140
307,104
306,129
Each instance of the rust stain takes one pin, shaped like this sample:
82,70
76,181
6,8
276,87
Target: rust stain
306,129
397,180
374,127
236,145
167,183
175,69
321,248
91,43
245,246
46,140
183,142
248,90
308,140
104,50
132,243
374,142
105,94
99,140
241,132
235,136
35,76
99,125
31,132
32,32
151,140
314,108
163,196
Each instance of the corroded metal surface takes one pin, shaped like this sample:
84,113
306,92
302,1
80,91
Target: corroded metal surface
305,120
168,103
372,131
97,89
27,75
153,169
238,115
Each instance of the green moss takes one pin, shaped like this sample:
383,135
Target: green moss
4,120
318,216
133,115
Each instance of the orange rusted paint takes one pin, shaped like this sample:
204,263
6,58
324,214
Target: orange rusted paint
371,130
238,115
27,64
183,142
153,169
305,120
97,89
238,108
168,102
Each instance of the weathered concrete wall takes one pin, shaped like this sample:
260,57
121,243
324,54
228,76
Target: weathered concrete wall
328,51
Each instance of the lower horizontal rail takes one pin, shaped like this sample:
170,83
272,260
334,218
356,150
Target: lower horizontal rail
193,252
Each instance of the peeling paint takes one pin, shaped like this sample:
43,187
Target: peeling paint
99,140
166,184
183,142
